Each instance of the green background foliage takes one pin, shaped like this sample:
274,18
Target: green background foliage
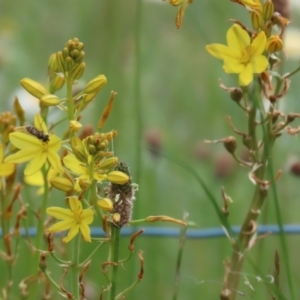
182,104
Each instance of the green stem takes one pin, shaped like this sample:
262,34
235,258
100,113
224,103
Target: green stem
70,99
40,229
40,226
75,267
114,253
248,227
182,239
137,96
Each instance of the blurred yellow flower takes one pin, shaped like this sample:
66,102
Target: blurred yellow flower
98,173
242,56
252,5
6,169
35,150
37,179
75,219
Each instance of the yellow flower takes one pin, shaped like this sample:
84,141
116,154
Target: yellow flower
35,149
81,169
37,179
6,169
242,56
75,219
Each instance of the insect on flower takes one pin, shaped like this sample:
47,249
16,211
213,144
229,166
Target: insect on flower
37,133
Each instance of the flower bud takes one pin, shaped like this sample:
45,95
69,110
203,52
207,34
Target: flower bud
268,10
70,64
109,163
57,82
274,43
74,125
62,183
78,149
50,100
60,62
105,204
52,63
77,72
33,87
95,85
117,177
256,19
84,183
20,112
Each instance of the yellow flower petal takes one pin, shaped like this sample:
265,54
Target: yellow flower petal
232,65
60,213
35,178
36,163
221,51
75,204
246,76
54,144
259,63
259,43
7,169
61,226
85,231
54,161
87,216
74,164
21,156
24,141
40,124
73,232
237,38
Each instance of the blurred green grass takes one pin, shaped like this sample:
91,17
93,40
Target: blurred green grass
181,101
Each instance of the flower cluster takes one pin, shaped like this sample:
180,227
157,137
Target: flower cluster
85,161
249,52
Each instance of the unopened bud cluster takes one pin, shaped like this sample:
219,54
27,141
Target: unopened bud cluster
96,145
70,59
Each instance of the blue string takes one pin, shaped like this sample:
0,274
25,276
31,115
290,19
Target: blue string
175,232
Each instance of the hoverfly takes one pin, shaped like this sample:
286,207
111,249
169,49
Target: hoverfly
37,133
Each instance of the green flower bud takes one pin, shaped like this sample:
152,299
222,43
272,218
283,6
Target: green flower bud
69,63
62,183
109,163
33,87
268,10
50,100
95,85
57,82
77,72
60,62
256,19
20,112
78,149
